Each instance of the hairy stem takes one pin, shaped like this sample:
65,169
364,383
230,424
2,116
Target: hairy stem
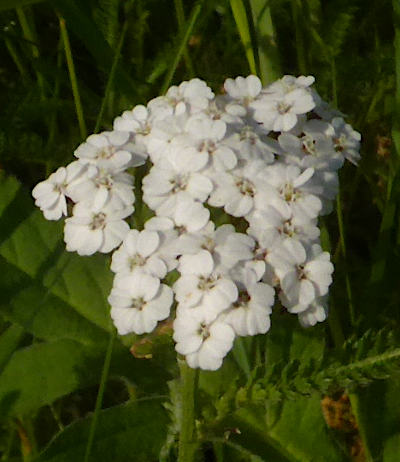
187,443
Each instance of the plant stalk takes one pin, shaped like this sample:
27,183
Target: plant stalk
187,443
73,79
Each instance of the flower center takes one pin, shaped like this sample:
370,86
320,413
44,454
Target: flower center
308,145
340,143
179,183
104,180
247,134
245,187
106,152
301,273
138,303
283,108
206,283
136,260
203,331
98,221
207,145
208,244
242,301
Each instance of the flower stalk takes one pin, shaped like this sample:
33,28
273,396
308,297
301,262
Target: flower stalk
187,442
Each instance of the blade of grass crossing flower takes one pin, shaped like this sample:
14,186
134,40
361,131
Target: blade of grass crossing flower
180,16
243,27
269,62
182,45
100,394
111,76
72,76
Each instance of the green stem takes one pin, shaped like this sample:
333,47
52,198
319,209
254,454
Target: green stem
180,16
111,77
396,108
29,34
268,54
298,24
344,253
56,93
17,60
242,23
187,443
182,45
100,394
73,79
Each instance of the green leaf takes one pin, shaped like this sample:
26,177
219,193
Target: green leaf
127,432
9,341
243,26
380,413
39,374
33,247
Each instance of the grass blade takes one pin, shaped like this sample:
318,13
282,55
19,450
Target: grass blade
182,45
72,76
270,68
99,399
243,26
110,80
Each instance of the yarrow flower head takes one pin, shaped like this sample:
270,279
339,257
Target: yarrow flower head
263,159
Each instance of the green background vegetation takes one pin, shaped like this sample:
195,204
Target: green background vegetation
67,68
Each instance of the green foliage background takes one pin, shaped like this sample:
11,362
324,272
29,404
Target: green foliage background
57,345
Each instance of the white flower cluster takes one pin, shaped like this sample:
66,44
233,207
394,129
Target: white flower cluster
267,156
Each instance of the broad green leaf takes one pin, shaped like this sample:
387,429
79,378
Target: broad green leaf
34,248
380,418
9,341
39,374
301,429
128,432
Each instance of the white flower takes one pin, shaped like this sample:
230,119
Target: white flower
279,112
304,276
204,344
238,189
138,253
138,302
243,90
168,235
204,136
225,245
346,140
50,194
163,186
89,231
314,149
110,150
200,284
294,190
190,215
100,187
250,141
316,312
249,315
